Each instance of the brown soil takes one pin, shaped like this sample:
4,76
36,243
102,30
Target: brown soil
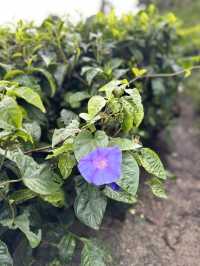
164,232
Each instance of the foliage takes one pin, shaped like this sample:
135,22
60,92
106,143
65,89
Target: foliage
64,92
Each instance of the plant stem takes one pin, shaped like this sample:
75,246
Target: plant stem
10,181
165,75
38,149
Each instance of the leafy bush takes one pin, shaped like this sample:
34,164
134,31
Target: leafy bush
64,95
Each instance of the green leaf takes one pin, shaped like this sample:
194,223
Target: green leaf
34,130
130,174
5,258
95,105
57,199
94,253
136,102
67,116
13,73
152,163
91,73
10,114
22,222
37,177
90,205
21,196
62,134
48,77
124,144
67,146
85,142
65,164
66,248
157,187
75,98
112,85
121,195
128,115
28,95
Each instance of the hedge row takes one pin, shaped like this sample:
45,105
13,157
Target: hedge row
71,103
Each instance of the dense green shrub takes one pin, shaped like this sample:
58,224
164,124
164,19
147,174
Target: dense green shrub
63,94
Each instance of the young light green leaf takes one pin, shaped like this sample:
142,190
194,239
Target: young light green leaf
85,142
130,174
95,105
5,258
90,205
152,163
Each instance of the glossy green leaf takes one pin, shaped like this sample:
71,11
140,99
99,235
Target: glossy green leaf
38,178
121,195
130,174
152,163
90,205
85,142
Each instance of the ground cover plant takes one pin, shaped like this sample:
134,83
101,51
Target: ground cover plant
71,101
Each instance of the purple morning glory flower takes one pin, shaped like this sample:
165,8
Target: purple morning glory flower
114,186
101,166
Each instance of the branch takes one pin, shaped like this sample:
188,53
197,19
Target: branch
164,75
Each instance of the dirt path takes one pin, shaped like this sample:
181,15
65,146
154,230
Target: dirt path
166,232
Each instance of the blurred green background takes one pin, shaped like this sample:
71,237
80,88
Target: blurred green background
188,11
